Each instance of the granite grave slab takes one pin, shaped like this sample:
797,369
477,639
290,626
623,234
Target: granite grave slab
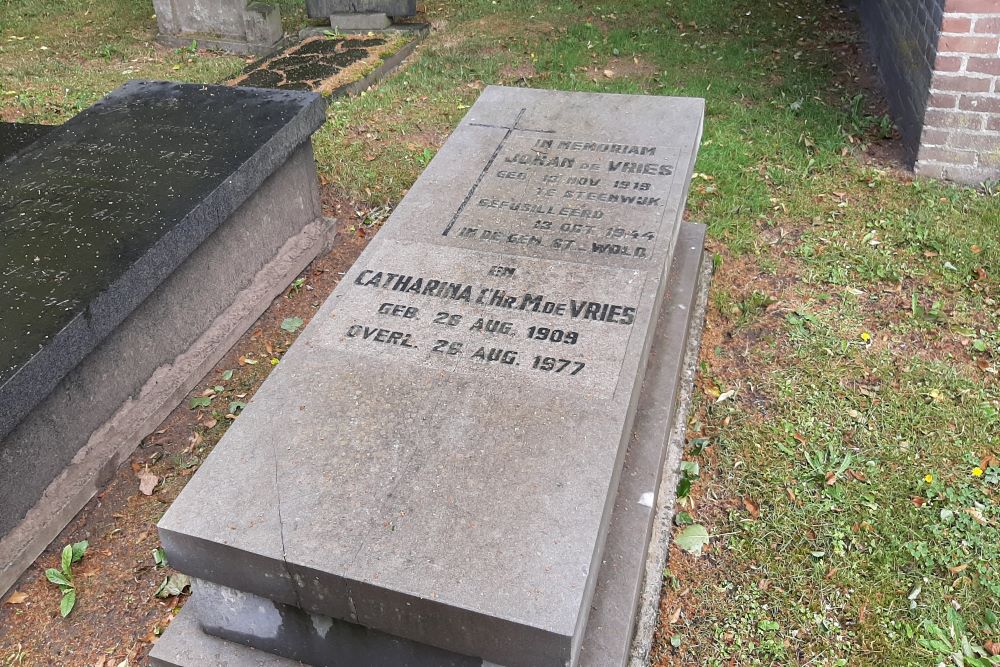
15,137
110,223
449,475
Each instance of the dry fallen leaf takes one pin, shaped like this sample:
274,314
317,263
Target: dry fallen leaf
674,617
17,597
918,501
210,423
609,73
993,648
958,568
147,482
976,515
751,507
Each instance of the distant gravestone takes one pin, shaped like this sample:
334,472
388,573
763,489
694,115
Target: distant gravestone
237,26
109,227
344,9
434,464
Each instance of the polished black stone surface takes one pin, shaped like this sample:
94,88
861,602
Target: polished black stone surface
99,211
16,136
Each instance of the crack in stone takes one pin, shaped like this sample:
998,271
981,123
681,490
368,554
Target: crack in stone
293,581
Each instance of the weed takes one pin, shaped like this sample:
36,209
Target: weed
63,577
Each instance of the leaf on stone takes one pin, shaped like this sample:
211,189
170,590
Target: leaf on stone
291,324
173,585
67,603
693,539
17,597
147,482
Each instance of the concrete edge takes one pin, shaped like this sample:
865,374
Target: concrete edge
117,438
648,616
421,29
215,43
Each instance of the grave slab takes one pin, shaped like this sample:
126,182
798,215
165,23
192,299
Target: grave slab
113,224
449,474
15,137
80,251
248,620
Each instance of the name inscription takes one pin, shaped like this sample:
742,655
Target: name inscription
539,320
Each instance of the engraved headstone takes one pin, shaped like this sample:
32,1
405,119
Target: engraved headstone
437,456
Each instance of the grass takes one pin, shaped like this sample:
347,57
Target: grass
60,56
853,312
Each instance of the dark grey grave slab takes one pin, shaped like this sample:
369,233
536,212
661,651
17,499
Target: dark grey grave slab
143,207
321,9
237,26
94,215
247,619
449,474
15,137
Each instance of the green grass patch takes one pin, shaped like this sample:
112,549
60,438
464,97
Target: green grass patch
853,313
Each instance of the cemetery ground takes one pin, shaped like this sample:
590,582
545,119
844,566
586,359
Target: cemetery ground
843,445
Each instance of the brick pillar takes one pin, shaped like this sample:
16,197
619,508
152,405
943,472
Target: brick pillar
960,140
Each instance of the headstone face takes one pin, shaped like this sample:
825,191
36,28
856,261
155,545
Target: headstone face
324,8
98,212
437,456
237,26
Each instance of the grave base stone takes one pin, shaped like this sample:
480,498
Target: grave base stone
319,9
472,387
366,21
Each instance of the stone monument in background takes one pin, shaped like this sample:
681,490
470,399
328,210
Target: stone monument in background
348,15
236,26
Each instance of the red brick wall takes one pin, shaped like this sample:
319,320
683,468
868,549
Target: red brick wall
940,63
902,38
960,140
